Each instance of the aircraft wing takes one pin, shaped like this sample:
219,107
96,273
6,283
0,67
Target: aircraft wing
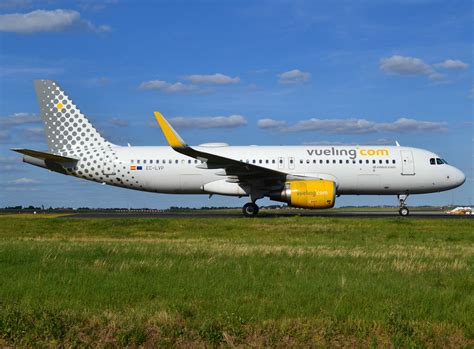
242,170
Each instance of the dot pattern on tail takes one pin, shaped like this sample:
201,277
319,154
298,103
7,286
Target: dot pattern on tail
65,126
70,133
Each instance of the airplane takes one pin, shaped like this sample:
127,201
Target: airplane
301,176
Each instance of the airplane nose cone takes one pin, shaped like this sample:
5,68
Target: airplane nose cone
458,177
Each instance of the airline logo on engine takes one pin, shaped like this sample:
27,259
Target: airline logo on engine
352,153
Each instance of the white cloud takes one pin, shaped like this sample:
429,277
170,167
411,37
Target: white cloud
271,123
231,121
23,180
16,119
218,79
47,21
405,66
344,126
454,64
166,86
294,76
411,125
358,126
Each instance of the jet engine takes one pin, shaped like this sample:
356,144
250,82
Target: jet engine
307,194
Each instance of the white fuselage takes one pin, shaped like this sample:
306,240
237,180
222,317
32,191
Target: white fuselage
380,170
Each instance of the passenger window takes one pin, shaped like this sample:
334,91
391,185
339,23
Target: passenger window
360,161
347,161
138,161
281,161
438,161
373,161
393,161
253,161
432,161
380,161
132,161
307,161
176,161
195,161
334,161
144,161
291,161
301,161
170,161
273,161
387,161
367,161
340,161
320,161
189,161
327,161
266,161
314,161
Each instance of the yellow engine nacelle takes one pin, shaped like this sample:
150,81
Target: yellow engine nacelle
308,194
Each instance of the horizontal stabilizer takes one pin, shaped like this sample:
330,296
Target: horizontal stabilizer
44,156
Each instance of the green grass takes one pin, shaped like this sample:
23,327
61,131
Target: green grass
294,281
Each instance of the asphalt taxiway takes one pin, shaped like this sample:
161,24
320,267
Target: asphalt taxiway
265,214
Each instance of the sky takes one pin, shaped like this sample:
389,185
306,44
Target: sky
240,72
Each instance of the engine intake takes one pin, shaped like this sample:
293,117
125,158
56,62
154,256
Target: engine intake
307,194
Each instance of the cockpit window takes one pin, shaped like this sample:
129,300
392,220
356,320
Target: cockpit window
444,161
432,161
439,161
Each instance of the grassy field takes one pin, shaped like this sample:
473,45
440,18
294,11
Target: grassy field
297,281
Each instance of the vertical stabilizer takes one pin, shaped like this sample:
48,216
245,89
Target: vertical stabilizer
66,128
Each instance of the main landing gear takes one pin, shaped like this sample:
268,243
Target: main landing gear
403,211
250,209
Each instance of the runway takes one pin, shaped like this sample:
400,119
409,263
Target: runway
265,214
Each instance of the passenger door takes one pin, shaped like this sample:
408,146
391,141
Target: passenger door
408,164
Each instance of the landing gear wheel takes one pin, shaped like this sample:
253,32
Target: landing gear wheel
404,211
250,209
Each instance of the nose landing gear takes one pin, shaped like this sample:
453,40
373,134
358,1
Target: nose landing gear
403,211
250,209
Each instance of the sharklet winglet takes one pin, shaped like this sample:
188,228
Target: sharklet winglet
173,138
